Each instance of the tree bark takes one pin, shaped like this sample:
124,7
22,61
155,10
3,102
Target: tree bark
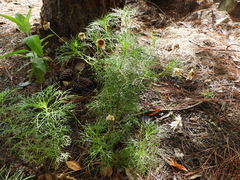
231,6
69,17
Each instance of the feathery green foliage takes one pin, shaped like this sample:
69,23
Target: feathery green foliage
37,126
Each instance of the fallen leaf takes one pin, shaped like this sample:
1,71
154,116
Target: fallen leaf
174,164
24,84
131,174
106,171
79,66
191,74
50,177
66,177
65,83
195,176
74,165
156,111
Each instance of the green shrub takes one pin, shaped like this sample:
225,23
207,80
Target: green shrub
122,68
124,72
37,127
142,151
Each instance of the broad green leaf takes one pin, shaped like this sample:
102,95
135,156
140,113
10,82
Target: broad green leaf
20,17
39,63
39,75
21,21
18,22
35,44
39,68
31,54
14,53
25,26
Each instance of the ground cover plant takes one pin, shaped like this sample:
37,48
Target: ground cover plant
135,96
122,68
36,128
6,174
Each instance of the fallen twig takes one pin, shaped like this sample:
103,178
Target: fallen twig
211,49
184,108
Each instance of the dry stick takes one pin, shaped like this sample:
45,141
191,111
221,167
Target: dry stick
232,45
184,108
179,109
210,49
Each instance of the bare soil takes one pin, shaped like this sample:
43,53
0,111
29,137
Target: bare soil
208,142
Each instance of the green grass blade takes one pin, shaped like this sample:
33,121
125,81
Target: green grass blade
14,53
50,35
26,21
18,22
28,16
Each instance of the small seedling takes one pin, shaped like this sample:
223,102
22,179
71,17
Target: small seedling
207,93
21,21
36,55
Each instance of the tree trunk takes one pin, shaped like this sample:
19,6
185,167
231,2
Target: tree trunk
69,17
231,6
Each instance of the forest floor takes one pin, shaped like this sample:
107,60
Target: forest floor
207,143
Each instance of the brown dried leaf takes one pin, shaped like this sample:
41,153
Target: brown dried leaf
179,166
66,177
79,66
74,165
106,171
65,83
131,174
50,177
195,176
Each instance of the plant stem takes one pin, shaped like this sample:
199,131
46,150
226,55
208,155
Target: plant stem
69,45
113,122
